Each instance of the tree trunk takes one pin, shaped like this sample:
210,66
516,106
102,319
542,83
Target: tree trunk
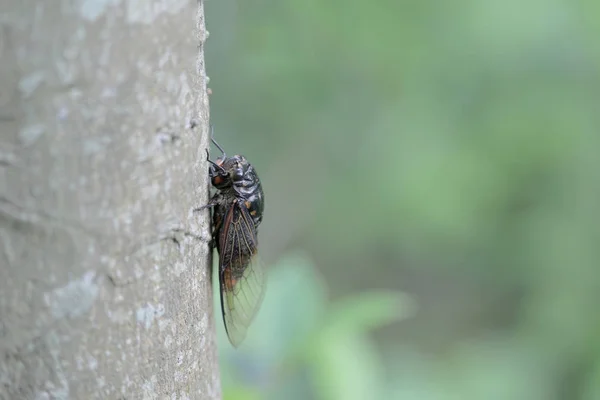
105,287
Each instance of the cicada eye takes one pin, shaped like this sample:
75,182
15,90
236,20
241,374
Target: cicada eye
219,178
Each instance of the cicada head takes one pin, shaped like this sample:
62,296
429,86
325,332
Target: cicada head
230,171
219,176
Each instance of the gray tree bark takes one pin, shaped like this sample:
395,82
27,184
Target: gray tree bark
105,287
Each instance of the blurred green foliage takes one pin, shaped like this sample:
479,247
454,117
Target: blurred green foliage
448,150
299,337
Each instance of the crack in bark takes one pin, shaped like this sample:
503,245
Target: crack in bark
174,235
12,211
114,282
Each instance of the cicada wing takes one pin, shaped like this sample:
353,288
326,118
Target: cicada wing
241,300
242,275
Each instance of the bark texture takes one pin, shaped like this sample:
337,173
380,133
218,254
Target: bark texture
104,281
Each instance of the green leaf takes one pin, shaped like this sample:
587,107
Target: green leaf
292,310
346,368
344,363
369,310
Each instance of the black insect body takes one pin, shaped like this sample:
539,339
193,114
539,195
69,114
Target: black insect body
236,180
237,210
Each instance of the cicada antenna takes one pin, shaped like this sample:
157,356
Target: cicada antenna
212,139
214,163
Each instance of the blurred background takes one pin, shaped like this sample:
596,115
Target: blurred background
432,180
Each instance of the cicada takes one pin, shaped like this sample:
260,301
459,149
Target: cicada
237,210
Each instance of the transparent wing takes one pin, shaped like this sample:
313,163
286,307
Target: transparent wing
242,275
